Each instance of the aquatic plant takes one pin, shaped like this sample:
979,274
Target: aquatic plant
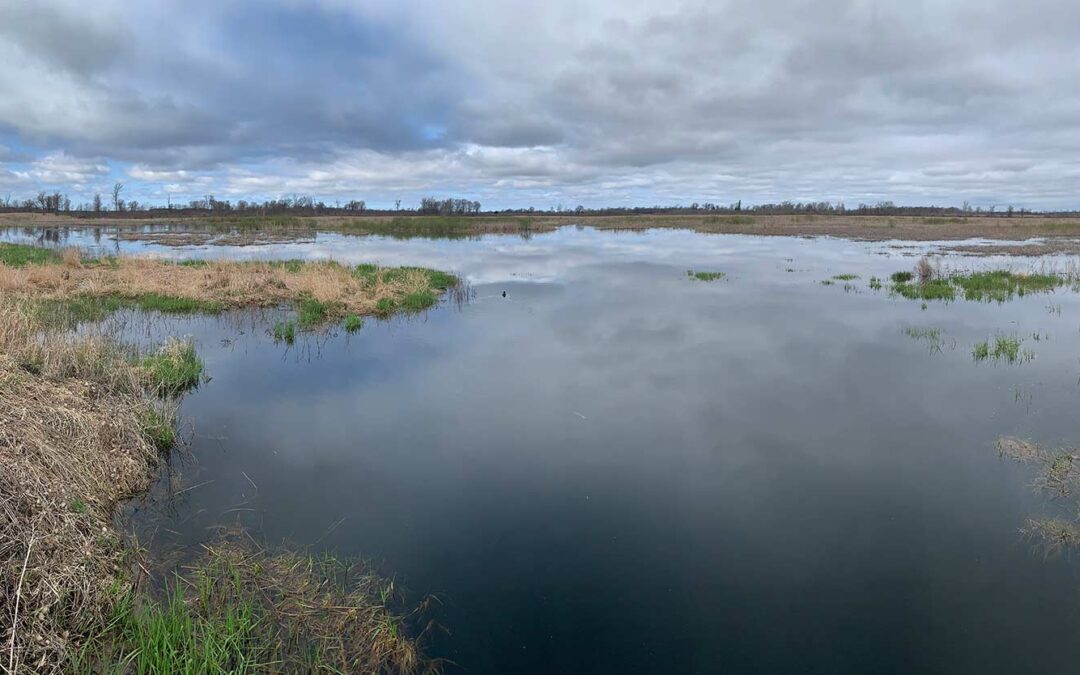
174,368
1003,348
847,276
284,331
705,276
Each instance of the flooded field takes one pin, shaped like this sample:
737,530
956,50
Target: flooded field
653,452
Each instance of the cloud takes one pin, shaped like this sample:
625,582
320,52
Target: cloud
616,101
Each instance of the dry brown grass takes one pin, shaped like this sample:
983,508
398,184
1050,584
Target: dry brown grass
71,446
228,284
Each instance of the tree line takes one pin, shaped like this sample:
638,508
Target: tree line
115,205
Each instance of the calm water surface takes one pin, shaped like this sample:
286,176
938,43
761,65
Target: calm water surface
617,469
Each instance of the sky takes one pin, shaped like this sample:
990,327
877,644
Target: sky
562,102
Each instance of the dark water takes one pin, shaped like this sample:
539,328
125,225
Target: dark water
616,469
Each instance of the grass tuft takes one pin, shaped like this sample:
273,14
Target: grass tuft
705,276
174,369
285,331
353,323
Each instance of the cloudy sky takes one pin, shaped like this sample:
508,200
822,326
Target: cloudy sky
518,103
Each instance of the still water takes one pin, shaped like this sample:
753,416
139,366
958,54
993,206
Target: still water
618,469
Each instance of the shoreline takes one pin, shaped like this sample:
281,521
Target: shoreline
1053,235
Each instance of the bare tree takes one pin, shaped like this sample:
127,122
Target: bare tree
97,203
116,188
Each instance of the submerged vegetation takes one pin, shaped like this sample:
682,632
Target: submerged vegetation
1058,476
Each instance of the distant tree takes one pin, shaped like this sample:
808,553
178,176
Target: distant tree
397,204
97,203
116,188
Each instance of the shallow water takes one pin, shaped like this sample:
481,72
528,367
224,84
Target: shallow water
616,468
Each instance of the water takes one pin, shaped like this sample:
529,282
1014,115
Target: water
618,469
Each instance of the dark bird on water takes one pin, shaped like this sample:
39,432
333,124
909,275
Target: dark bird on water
504,294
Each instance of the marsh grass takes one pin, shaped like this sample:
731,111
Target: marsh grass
1002,285
242,609
1005,348
729,220
847,276
705,276
353,323
174,368
321,291
284,331
932,336
929,283
875,284
20,255
80,429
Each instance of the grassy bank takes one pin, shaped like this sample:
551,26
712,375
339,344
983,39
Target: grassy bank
321,291
84,422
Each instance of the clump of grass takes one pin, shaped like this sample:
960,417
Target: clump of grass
1003,348
353,323
311,312
847,276
901,277
417,301
935,289
384,307
827,282
285,331
159,429
875,283
1002,285
174,369
705,276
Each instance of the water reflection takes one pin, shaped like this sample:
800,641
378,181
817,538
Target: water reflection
616,468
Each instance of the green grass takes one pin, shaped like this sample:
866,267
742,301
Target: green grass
242,611
311,313
353,323
901,277
417,301
1003,348
384,307
1002,285
174,369
19,255
171,304
159,429
705,276
875,283
934,289
846,277
79,506
285,331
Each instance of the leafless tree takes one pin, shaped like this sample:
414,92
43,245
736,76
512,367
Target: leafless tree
116,188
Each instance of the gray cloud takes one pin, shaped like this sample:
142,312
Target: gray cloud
619,101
